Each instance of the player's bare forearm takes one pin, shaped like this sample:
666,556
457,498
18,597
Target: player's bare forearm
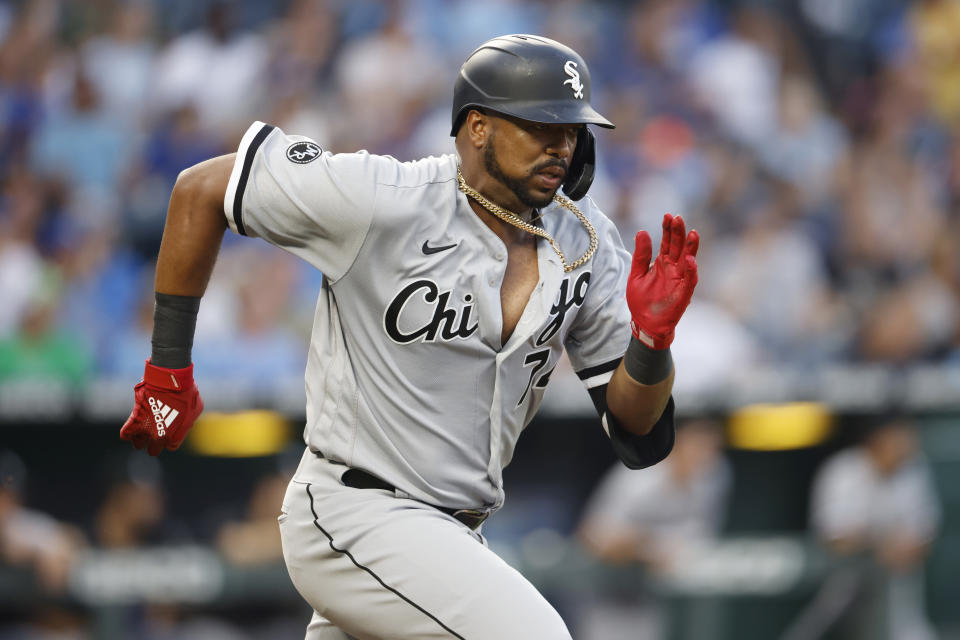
194,228
637,406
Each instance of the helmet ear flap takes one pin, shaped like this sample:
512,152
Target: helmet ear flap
582,165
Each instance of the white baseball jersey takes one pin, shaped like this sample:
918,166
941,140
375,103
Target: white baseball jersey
407,377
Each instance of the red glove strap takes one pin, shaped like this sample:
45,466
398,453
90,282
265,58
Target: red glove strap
169,379
654,342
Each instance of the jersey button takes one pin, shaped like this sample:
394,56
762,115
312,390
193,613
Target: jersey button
499,256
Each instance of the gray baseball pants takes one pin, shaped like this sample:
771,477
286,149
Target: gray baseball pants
375,566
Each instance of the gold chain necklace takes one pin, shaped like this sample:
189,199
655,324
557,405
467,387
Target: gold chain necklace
520,223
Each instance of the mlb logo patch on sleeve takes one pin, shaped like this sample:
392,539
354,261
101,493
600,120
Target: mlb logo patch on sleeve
303,152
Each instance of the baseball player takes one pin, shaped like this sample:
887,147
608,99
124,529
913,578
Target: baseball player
451,287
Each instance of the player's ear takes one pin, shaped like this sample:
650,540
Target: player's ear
477,126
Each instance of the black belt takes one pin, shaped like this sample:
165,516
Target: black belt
360,479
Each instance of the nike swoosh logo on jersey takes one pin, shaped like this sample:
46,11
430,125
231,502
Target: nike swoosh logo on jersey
428,250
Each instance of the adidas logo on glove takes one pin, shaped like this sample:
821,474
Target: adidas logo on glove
163,415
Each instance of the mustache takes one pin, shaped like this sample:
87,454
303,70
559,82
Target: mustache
556,162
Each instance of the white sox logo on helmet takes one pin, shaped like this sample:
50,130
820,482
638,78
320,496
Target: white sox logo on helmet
570,68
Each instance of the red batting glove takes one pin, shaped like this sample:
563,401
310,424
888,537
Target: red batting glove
658,293
166,402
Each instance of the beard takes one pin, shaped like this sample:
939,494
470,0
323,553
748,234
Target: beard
519,186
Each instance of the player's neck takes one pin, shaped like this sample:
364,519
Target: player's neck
497,193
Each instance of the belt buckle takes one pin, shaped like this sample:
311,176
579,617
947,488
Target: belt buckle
473,518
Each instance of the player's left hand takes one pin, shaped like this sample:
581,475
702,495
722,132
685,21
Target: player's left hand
659,292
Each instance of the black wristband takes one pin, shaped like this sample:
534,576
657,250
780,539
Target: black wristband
174,321
645,365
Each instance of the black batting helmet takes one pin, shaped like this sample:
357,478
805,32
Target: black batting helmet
537,79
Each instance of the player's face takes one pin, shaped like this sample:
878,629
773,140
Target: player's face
529,158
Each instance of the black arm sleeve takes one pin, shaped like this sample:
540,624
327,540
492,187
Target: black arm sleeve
637,452
174,322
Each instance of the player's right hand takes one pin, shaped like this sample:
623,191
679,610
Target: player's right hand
166,403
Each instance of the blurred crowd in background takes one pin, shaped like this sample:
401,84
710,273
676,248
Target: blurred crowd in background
51,589
131,558
810,142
